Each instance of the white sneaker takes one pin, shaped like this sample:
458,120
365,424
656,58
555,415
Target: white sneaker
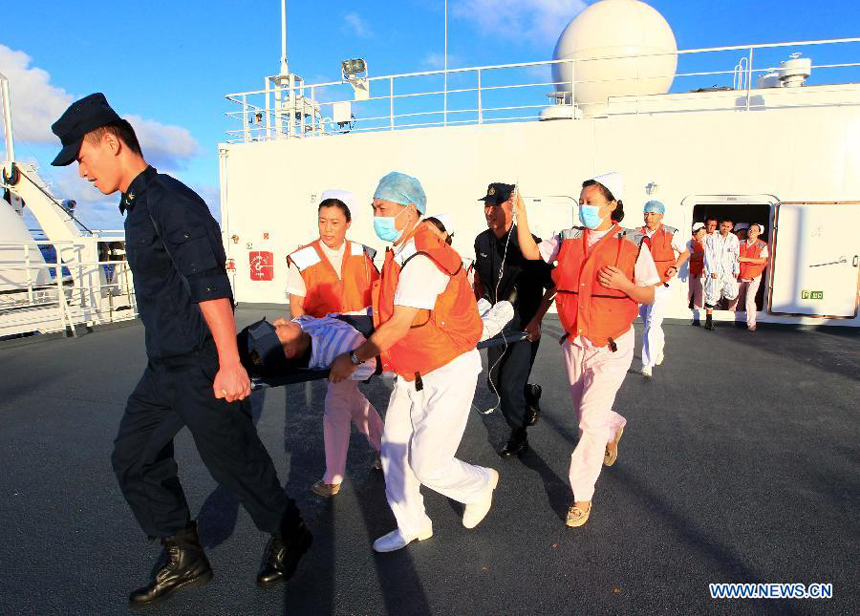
646,372
396,539
495,319
476,512
659,359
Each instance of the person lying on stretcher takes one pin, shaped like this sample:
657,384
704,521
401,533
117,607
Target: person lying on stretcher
269,350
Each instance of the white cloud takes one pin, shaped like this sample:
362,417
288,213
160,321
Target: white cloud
357,25
164,145
539,22
37,103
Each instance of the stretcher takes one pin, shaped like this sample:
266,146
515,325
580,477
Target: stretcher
365,326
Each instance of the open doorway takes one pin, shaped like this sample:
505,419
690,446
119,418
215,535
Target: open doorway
740,212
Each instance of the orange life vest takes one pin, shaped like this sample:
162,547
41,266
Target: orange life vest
325,291
752,270
660,245
439,335
697,259
586,307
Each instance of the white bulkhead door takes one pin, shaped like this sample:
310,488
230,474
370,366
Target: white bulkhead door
815,265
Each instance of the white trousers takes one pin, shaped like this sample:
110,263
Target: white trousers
725,285
654,340
696,294
344,403
595,375
746,294
423,430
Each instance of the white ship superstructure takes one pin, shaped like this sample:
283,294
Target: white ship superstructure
761,133
766,145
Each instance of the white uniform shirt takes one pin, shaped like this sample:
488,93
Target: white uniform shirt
331,337
420,281
295,282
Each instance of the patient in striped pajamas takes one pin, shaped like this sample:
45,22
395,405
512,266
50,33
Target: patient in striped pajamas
314,343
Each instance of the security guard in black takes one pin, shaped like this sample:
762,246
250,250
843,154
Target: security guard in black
502,273
178,264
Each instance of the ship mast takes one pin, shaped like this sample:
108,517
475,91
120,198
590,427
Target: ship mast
7,117
285,67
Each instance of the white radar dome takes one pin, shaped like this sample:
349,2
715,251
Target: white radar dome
627,34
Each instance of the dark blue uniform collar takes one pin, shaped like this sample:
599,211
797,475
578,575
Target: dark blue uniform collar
515,240
136,188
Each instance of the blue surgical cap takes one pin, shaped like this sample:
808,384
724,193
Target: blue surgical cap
655,207
403,189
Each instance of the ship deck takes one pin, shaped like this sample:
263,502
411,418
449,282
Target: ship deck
740,463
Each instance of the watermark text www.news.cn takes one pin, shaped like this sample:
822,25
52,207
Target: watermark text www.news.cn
794,590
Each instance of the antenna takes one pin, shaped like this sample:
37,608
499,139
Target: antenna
7,117
445,70
285,69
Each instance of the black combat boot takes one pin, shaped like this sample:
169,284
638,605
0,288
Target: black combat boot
533,393
517,444
186,567
283,553
709,322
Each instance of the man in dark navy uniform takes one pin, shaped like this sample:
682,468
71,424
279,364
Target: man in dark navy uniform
193,376
501,273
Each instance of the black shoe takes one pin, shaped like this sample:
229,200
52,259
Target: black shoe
282,555
709,323
533,393
696,323
517,444
186,567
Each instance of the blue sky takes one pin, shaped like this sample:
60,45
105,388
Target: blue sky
168,65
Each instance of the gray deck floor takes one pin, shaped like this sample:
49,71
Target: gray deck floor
740,463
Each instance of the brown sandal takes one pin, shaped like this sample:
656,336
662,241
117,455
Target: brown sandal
611,454
577,515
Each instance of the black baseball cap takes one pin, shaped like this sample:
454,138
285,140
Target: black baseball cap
260,351
82,117
497,193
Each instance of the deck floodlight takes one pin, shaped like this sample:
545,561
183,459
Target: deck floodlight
354,71
353,68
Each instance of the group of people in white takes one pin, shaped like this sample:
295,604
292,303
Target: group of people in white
427,324
727,262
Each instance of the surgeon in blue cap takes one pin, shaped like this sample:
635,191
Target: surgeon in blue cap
670,252
427,328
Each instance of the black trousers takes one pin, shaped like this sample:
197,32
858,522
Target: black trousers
168,399
510,376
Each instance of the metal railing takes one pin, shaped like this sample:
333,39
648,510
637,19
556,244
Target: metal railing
288,108
75,292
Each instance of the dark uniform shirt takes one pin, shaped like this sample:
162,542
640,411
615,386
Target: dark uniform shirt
177,259
522,282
